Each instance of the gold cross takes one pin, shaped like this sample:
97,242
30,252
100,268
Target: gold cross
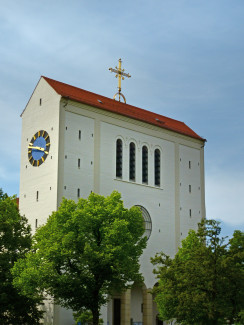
120,73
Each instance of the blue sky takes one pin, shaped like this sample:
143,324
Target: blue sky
186,58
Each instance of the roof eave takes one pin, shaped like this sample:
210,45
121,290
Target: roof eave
137,118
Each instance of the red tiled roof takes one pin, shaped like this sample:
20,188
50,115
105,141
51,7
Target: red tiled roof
108,104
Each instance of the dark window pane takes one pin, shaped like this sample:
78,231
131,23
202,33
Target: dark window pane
132,161
119,158
144,164
157,167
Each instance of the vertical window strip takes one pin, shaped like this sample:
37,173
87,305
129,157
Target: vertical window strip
144,165
157,171
78,193
132,162
79,134
37,195
119,158
78,162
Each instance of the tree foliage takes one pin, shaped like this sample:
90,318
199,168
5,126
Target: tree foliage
85,318
15,241
204,282
85,251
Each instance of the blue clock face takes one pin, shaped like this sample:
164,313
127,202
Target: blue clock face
38,148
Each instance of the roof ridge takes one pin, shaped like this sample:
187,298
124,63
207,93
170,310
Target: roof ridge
119,103
109,104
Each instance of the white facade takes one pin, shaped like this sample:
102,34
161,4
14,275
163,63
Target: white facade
82,159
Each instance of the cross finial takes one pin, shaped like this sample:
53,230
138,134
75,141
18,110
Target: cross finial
120,75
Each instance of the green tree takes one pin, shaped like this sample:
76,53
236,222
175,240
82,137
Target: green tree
85,318
15,241
3,195
85,251
204,283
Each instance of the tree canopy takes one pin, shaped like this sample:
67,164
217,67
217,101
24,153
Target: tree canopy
84,252
204,283
15,241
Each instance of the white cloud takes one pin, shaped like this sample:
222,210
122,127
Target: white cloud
225,196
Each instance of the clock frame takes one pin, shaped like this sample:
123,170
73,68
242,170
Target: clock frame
38,148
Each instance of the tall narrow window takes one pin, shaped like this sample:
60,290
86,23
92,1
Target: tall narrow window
144,165
119,158
132,161
79,134
37,195
78,162
78,193
157,167
36,225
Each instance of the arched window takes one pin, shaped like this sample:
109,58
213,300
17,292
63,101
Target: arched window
157,167
119,158
144,165
132,162
147,221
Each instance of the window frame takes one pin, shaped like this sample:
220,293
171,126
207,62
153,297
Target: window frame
119,158
157,168
144,169
147,221
132,162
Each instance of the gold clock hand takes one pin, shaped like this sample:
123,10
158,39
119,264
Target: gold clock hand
37,148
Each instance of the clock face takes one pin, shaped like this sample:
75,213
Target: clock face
38,148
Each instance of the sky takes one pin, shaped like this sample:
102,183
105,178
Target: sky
186,59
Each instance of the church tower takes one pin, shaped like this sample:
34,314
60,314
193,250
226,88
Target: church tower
75,141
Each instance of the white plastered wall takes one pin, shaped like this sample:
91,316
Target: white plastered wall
74,177
159,201
190,189
39,116
100,129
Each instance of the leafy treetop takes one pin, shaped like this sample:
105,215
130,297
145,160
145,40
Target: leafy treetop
204,282
85,252
15,242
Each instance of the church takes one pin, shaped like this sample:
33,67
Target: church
75,142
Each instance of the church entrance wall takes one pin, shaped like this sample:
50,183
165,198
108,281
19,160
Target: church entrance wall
136,305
